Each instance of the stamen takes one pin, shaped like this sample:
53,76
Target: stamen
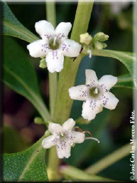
96,90
88,132
54,42
92,138
62,134
90,53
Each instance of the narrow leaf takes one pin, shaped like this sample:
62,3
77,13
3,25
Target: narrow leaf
12,27
109,160
128,59
125,81
79,175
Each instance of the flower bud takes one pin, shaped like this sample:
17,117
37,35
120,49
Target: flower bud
98,45
42,63
38,120
47,133
85,38
100,36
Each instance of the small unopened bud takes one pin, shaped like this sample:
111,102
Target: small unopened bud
104,45
43,63
98,45
85,38
47,133
100,36
38,120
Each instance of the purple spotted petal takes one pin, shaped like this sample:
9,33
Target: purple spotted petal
70,48
78,92
45,29
62,30
90,109
55,60
91,78
63,149
107,82
38,48
109,101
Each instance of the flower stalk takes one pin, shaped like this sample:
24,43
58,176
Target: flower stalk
68,75
51,17
53,160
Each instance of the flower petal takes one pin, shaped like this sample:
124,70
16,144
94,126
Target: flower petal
45,29
77,137
90,109
48,142
78,92
107,82
55,128
38,48
70,48
55,60
109,101
63,149
68,125
62,30
91,77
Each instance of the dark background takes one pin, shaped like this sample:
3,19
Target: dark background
112,128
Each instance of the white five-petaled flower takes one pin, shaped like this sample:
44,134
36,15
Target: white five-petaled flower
54,44
63,137
95,94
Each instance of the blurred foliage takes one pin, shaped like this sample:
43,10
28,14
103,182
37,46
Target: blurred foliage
112,128
14,144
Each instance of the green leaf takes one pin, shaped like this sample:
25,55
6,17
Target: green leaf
20,75
12,27
125,81
28,165
128,59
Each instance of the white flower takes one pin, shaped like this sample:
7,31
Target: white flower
54,44
95,94
63,137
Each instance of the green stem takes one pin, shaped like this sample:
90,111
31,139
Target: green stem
68,75
51,12
53,164
77,174
52,91
109,160
53,161
51,17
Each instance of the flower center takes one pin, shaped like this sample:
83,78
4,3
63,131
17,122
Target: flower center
54,43
64,135
94,92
